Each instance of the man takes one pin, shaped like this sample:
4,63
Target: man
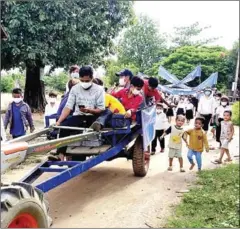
206,107
125,77
150,90
88,101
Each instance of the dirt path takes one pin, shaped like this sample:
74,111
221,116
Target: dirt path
109,196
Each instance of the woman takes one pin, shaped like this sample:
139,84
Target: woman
74,75
224,106
181,107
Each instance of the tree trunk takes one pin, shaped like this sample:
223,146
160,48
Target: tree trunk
34,94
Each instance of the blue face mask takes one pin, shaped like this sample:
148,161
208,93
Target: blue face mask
207,93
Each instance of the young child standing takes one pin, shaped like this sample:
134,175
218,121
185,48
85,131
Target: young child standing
227,131
160,126
175,142
189,110
18,115
197,142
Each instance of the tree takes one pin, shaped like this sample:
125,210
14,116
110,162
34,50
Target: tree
185,59
58,33
141,44
187,35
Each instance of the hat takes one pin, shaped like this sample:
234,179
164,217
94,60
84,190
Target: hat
125,72
224,97
207,89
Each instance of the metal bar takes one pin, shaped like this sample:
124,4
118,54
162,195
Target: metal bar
52,170
72,128
30,137
60,142
84,166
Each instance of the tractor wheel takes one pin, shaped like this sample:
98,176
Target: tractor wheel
23,206
140,159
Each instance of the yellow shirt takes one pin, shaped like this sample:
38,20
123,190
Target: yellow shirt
197,140
114,104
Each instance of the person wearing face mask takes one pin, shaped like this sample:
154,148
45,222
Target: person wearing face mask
131,98
224,106
74,75
88,102
18,115
189,110
50,109
206,107
160,126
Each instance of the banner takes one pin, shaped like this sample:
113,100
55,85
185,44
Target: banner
167,76
209,82
148,125
191,76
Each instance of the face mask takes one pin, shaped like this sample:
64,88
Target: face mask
52,100
159,111
17,100
86,85
224,103
74,75
207,93
122,82
135,91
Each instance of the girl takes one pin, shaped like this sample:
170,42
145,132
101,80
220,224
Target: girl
181,107
227,131
189,111
224,105
160,126
170,113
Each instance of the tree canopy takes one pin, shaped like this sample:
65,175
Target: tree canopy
141,44
61,33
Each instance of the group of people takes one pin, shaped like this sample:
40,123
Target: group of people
87,103
211,109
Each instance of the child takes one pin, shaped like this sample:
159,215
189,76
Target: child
18,115
175,141
161,121
189,110
50,109
227,131
181,107
197,142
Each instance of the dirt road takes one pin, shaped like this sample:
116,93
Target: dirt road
109,196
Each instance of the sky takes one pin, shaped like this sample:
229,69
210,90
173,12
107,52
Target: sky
222,16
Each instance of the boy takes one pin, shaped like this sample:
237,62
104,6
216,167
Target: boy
160,126
227,131
197,142
18,115
175,141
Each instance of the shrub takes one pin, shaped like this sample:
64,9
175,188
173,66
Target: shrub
7,84
235,112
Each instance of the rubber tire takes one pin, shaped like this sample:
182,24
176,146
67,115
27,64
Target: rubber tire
138,160
20,198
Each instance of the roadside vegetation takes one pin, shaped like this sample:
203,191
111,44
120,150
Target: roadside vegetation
213,203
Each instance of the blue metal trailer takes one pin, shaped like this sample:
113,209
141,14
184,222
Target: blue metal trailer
24,205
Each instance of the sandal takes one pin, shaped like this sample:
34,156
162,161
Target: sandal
218,162
192,166
182,170
169,168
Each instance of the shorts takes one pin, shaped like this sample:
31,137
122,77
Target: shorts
224,143
174,153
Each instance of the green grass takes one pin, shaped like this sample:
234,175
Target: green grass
235,113
213,205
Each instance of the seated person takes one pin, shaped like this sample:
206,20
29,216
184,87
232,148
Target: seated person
130,97
74,75
150,91
88,101
51,108
113,106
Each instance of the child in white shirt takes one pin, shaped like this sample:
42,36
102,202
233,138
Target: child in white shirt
160,126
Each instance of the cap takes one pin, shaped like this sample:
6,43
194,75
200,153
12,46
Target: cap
125,72
224,97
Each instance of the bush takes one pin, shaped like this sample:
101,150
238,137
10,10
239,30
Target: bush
56,82
235,112
7,84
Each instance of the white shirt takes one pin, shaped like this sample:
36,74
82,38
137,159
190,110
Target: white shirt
206,105
181,106
220,110
189,106
50,110
161,121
